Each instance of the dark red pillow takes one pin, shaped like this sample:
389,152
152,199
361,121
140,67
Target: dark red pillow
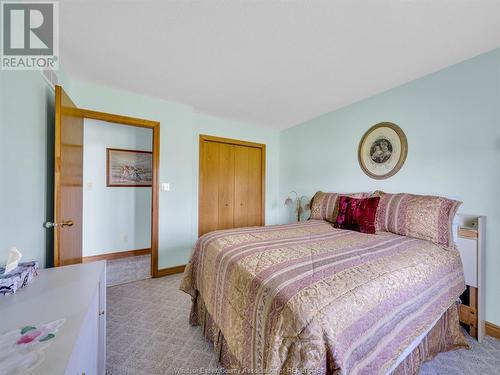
357,214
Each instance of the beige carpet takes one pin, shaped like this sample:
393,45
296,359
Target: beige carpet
149,334
126,270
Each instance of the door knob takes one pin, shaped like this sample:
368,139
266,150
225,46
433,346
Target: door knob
64,223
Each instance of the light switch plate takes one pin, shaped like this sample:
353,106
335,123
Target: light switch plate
165,186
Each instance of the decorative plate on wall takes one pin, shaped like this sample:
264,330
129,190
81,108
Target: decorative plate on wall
382,150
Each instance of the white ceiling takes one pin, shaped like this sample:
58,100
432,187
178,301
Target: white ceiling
273,63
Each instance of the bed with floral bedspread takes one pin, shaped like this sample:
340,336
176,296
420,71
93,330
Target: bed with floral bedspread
310,298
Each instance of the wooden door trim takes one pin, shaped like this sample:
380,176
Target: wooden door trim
171,270
119,119
209,138
231,141
155,126
116,255
492,330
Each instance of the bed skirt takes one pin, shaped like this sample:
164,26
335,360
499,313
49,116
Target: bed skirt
444,336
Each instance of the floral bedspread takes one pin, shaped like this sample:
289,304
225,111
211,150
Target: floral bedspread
307,297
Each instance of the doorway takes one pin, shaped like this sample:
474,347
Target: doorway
69,183
117,162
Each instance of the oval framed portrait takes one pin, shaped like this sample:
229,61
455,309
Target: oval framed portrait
382,150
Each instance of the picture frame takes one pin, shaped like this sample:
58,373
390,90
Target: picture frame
382,150
129,168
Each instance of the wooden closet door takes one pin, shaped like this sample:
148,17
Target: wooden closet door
231,190
241,185
255,187
209,187
226,186
247,186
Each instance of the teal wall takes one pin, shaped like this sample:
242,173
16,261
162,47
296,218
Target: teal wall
26,120
180,127
452,121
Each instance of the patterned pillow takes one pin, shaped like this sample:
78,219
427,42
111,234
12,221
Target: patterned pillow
325,206
357,214
419,216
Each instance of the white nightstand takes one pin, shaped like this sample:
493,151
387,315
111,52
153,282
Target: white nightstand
471,245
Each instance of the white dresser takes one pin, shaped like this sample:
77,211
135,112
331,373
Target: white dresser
75,293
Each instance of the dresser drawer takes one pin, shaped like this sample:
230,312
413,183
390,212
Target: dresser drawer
468,252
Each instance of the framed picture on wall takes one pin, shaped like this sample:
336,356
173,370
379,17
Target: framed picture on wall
382,150
129,168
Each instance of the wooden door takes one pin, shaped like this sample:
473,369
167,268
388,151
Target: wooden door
226,186
255,207
231,185
209,187
248,186
241,185
68,181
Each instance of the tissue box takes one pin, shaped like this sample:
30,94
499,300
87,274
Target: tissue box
21,276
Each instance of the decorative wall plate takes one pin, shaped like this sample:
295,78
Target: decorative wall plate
382,150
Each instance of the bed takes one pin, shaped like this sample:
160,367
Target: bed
311,298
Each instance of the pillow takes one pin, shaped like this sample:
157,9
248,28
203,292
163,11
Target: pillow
420,216
357,214
324,206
